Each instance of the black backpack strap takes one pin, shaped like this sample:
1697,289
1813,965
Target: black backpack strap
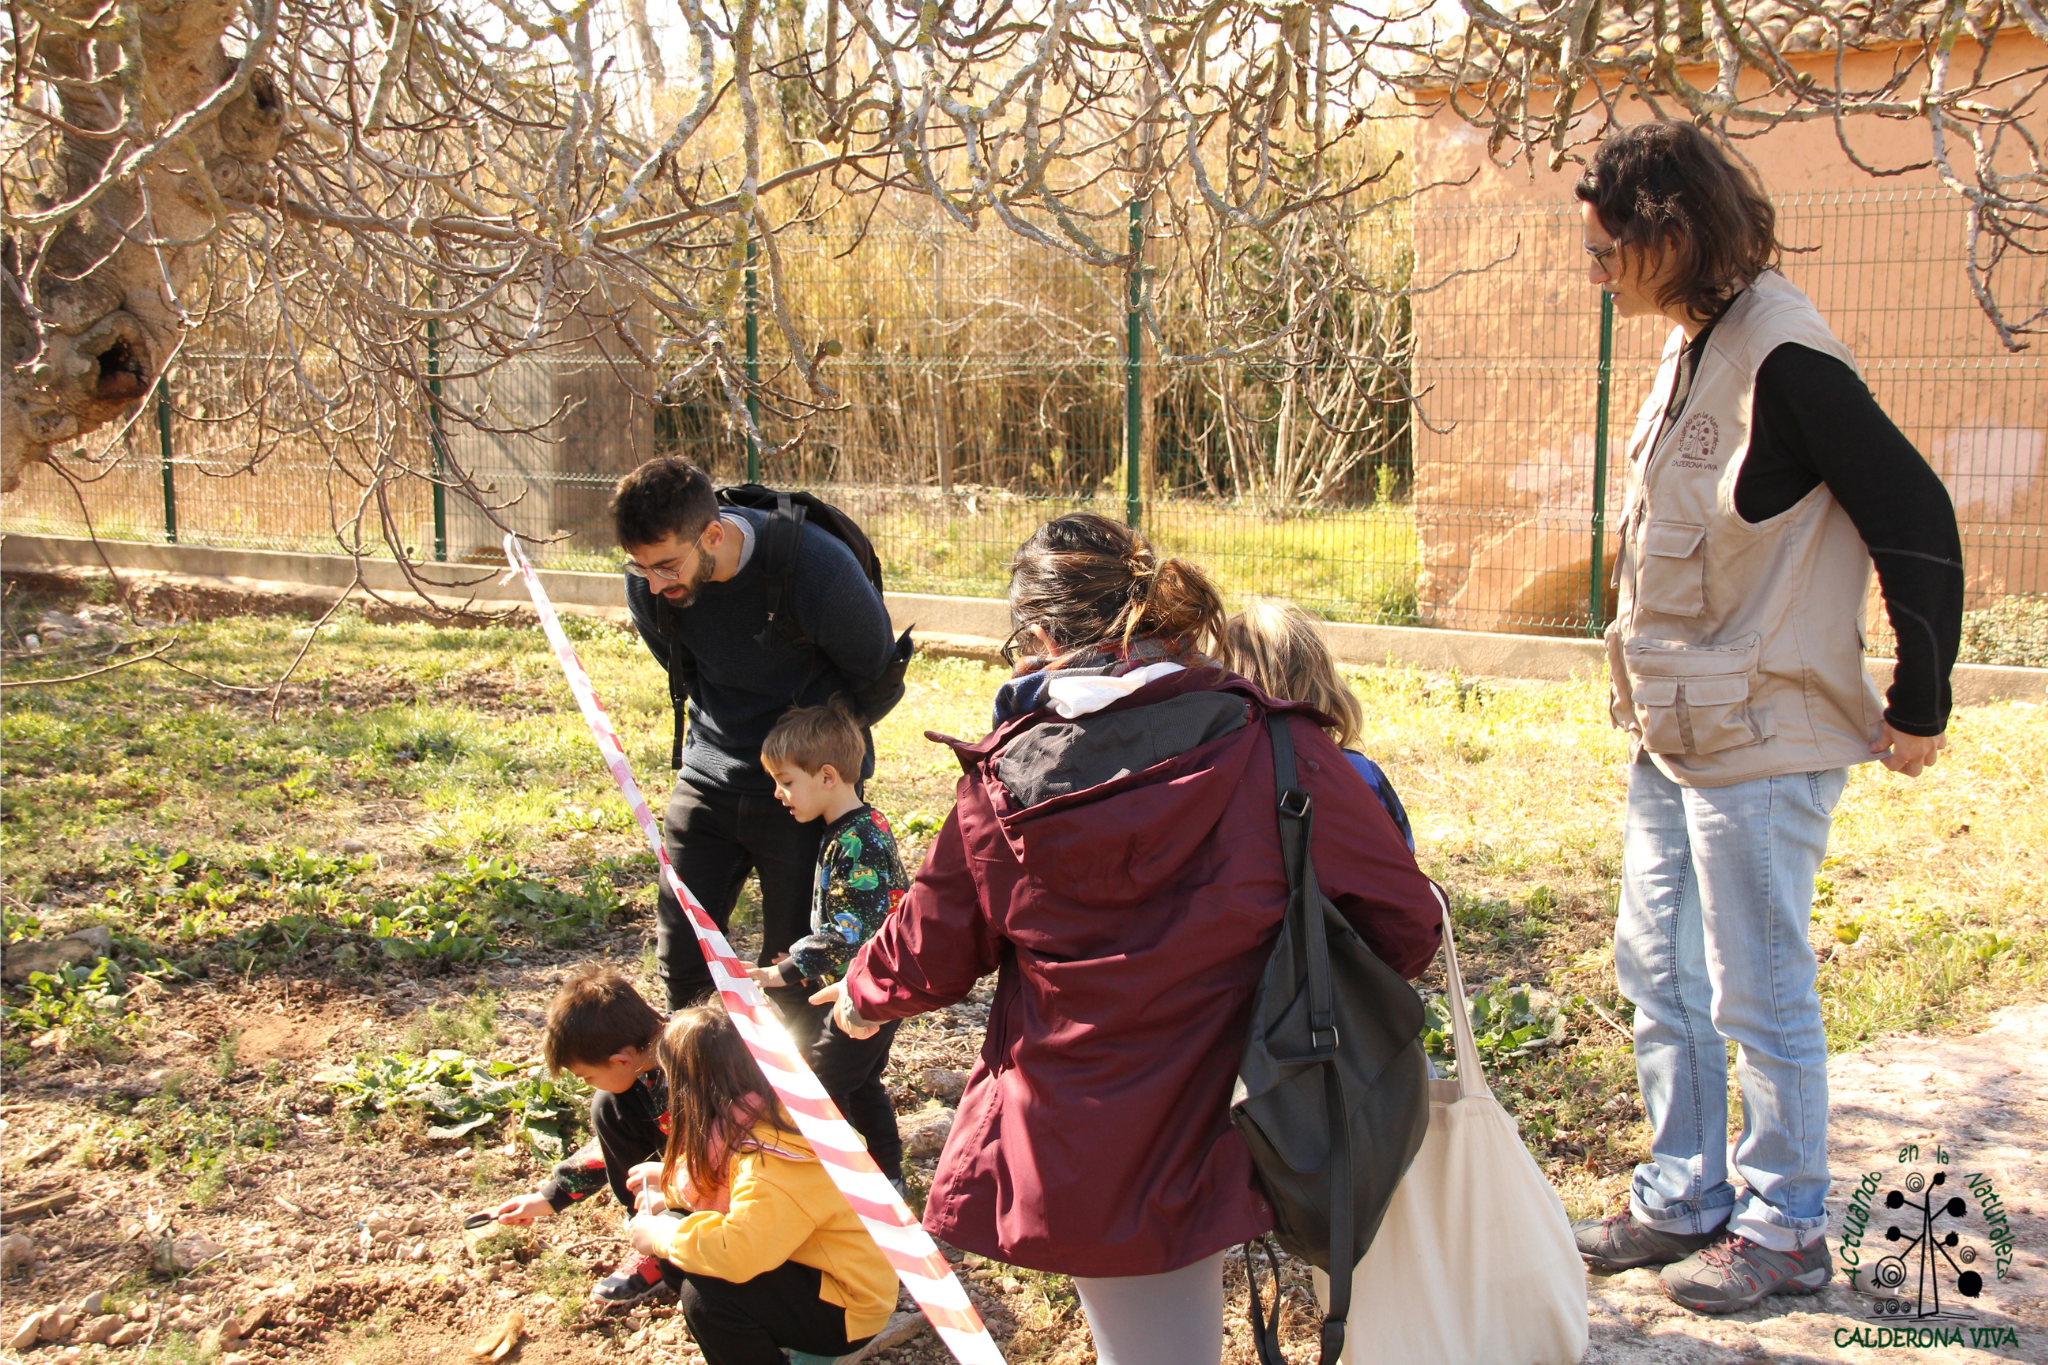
682,672
779,537
1297,822
1305,919
1265,1329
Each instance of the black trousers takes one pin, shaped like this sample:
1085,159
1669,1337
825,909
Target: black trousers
629,1132
715,838
850,1069
751,1323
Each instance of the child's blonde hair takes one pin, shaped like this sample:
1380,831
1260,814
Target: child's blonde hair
1276,645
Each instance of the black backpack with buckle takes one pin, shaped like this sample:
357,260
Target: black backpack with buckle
1332,1092
869,698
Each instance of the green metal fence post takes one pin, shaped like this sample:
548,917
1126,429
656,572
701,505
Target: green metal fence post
1596,588
434,436
163,438
1134,337
753,366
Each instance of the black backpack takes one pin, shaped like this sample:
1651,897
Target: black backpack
870,698
1332,1093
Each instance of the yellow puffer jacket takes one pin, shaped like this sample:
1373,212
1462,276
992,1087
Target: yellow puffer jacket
783,1207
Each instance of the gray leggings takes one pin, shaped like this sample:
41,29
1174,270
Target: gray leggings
1170,1319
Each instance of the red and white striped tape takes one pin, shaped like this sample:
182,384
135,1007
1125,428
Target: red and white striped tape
903,1242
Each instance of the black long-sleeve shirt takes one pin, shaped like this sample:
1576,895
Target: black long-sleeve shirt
1813,422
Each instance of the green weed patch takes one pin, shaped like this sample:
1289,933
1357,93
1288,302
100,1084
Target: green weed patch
281,905
457,1095
88,1004
1507,1022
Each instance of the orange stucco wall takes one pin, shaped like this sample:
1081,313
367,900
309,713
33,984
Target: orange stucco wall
1506,357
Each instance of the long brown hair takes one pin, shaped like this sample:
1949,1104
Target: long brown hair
1666,188
1086,580
716,1094
1276,645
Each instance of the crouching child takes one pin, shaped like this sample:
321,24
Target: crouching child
772,1257
599,1028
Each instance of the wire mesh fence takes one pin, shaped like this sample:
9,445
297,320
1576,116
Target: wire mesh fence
984,386
1507,360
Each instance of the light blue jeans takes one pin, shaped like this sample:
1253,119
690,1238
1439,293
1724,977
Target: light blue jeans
1711,948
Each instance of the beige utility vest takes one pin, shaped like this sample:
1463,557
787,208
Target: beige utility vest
1736,650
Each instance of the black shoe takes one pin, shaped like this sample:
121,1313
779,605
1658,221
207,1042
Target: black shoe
1619,1243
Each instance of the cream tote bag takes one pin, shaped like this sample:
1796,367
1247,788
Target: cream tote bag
1475,1263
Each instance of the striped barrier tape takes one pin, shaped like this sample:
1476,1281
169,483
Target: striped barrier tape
905,1244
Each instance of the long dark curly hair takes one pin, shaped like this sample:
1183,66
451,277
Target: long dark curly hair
1665,188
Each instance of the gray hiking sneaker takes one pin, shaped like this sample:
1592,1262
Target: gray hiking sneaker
1619,1242
1735,1273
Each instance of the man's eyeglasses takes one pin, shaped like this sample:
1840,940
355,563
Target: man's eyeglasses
656,574
1603,256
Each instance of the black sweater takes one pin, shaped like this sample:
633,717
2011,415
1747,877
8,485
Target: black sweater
745,683
1814,422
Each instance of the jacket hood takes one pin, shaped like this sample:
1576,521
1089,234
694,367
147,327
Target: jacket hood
1112,806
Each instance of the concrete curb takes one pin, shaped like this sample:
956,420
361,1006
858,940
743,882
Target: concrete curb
972,627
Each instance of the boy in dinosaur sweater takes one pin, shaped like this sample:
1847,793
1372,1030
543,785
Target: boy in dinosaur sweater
813,754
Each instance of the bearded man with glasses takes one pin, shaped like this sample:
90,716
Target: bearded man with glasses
703,600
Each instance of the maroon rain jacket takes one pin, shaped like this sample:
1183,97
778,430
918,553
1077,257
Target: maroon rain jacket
1129,921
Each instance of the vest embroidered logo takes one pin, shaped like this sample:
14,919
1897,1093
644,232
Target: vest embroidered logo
1699,441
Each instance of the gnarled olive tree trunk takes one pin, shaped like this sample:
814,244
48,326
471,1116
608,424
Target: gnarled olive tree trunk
156,136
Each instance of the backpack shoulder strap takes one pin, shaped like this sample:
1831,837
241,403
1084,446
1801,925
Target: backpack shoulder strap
1305,917
779,537
1297,822
682,674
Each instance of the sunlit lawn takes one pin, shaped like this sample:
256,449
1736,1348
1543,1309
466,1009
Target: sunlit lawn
428,745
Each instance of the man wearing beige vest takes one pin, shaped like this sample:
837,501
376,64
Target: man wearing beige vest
1763,482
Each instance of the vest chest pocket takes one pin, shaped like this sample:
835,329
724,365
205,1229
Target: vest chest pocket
1694,699
1673,577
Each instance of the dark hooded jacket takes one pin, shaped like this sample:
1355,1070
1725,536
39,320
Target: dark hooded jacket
1121,872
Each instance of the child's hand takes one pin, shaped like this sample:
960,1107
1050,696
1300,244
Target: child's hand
643,1182
843,1015
765,977
648,1236
521,1212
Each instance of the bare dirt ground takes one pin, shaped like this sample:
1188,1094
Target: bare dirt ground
1982,1099
342,1244
351,1241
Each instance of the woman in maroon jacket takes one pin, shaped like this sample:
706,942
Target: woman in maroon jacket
1114,856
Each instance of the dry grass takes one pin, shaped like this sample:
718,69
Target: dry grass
1928,912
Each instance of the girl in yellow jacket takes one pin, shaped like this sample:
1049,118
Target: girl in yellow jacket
771,1254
